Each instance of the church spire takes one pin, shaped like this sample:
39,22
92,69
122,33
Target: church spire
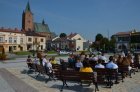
43,22
28,7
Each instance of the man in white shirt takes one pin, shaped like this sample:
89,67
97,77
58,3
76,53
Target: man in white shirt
44,61
99,65
95,58
102,57
111,64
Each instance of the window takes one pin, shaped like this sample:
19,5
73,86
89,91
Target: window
14,47
1,39
79,39
41,40
29,39
41,47
21,40
15,40
35,40
10,39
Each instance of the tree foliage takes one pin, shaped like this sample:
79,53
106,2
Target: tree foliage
99,37
103,43
63,35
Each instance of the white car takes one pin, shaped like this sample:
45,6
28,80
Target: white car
64,52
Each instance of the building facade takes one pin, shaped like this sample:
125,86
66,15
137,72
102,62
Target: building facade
127,41
12,40
135,41
17,40
73,42
79,41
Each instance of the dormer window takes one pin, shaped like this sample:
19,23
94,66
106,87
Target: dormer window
79,39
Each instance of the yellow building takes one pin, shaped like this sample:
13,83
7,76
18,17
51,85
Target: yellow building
12,40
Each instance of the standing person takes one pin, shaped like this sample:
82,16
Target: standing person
29,62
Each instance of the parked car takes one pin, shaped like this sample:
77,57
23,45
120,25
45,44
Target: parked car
63,52
96,52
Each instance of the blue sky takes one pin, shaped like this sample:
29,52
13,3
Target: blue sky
86,17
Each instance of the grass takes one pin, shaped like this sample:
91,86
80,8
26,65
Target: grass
51,52
23,53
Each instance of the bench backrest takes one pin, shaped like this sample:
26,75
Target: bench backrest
70,75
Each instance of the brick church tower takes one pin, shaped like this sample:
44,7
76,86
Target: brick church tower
27,19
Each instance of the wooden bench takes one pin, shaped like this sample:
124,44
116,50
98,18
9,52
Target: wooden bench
106,76
124,71
71,75
56,71
30,65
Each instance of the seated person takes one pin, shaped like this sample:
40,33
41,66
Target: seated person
49,67
111,64
78,64
44,61
71,61
29,61
53,61
99,65
86,67
103,57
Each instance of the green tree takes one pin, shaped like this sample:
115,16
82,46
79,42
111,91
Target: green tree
63,35
99,37
98,41
112,43
105,44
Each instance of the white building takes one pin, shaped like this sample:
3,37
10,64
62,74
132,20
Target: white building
79,41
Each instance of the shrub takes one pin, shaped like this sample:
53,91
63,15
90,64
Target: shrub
3,56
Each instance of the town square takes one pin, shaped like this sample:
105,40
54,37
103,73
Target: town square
69,46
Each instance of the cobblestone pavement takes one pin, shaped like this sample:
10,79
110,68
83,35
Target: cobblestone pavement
15,77
40,83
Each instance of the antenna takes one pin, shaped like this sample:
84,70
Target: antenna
108,34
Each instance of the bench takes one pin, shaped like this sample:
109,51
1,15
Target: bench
71,75
106,76
124,71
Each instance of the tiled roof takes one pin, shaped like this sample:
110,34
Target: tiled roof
60,39
72,35
11,30
136,33
32,33
39,27
123,33
126,33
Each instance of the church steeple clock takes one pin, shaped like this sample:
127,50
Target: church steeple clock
27,19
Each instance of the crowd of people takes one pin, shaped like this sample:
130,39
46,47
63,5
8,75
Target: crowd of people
87,63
